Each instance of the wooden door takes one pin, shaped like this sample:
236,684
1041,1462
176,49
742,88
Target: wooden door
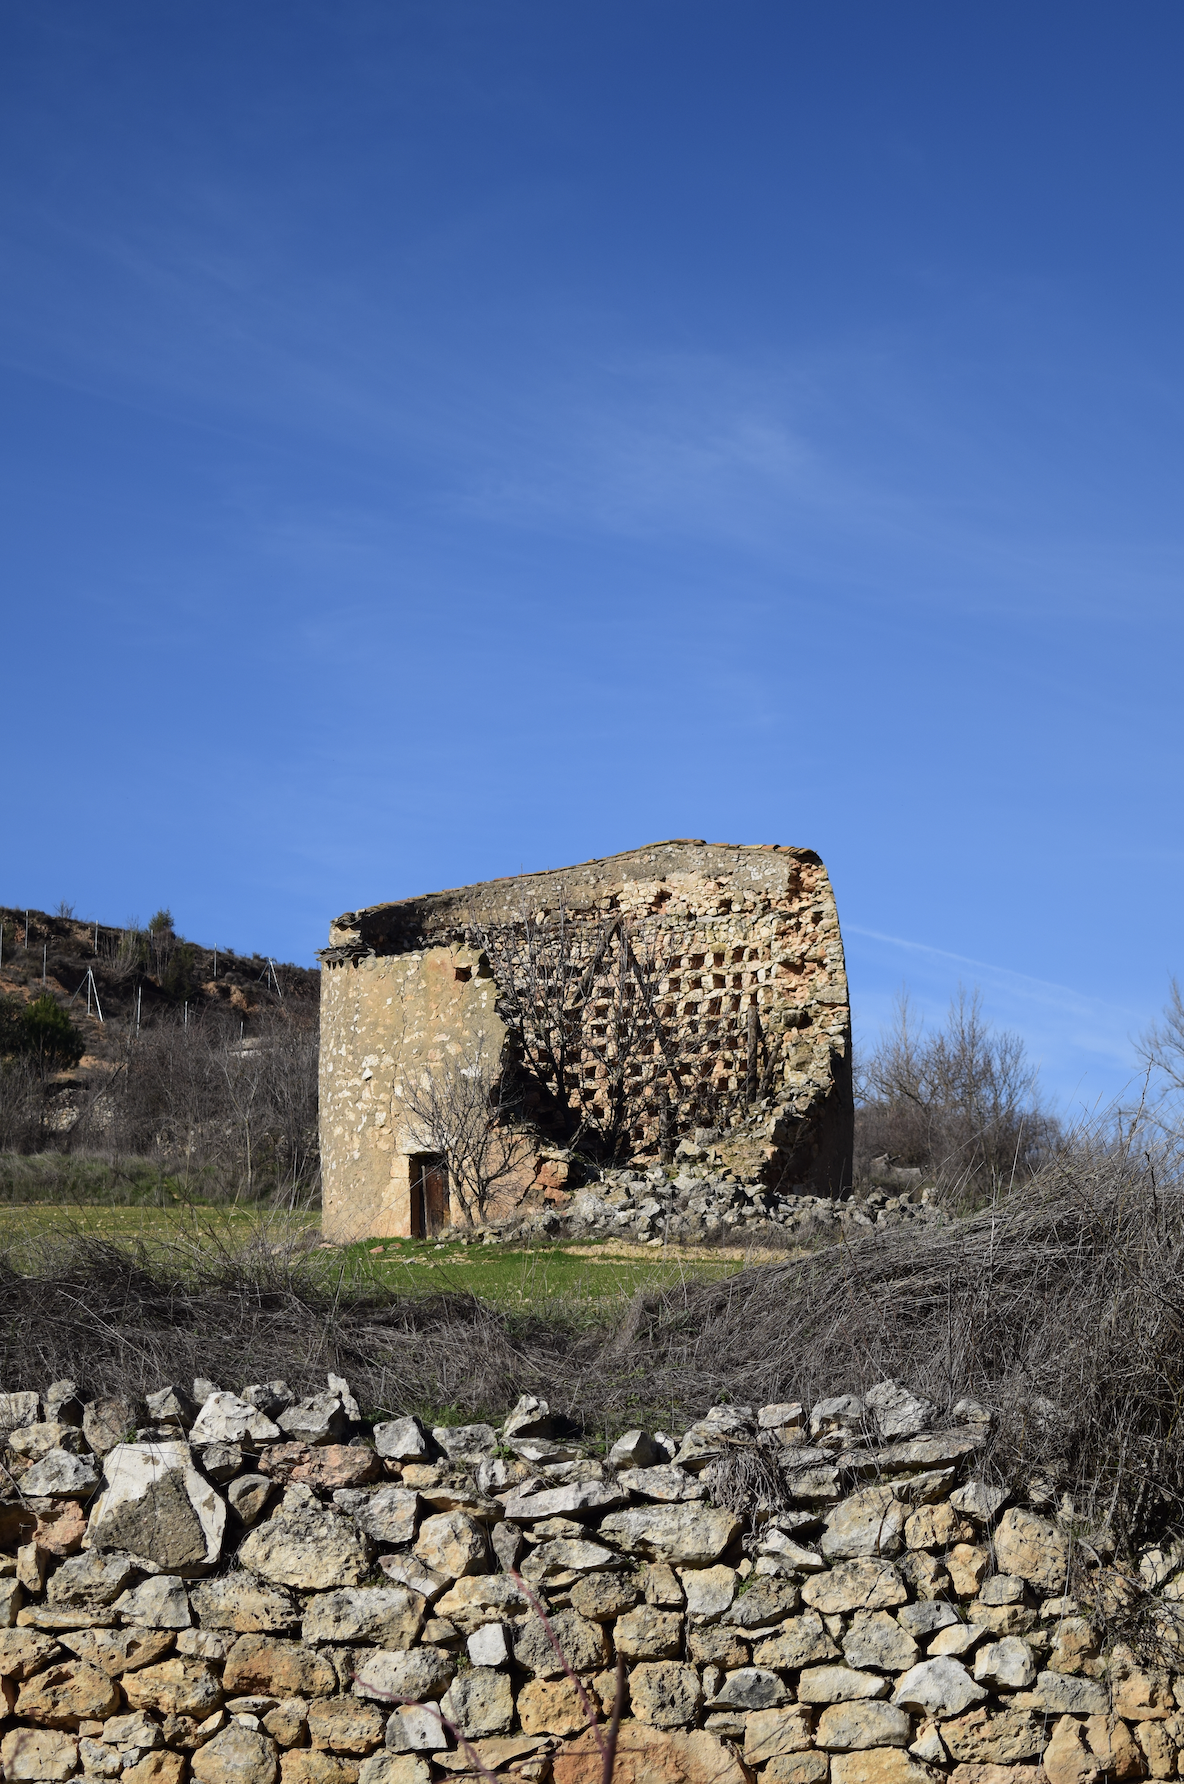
429,1195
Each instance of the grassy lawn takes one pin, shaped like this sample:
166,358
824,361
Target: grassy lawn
588,1275
526,1278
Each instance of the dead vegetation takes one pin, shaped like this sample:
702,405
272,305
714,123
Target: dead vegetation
1060,1306
960,1104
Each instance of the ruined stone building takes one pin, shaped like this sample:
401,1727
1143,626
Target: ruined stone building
628,1003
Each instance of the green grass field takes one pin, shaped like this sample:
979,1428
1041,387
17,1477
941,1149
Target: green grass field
182,1234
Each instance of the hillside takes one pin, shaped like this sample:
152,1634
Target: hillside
190,1051
149,972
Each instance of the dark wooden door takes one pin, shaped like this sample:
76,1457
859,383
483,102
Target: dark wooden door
429,1196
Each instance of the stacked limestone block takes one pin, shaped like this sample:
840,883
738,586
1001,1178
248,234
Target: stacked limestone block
248,1587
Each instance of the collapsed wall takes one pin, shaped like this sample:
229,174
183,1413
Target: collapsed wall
737,949
257,1587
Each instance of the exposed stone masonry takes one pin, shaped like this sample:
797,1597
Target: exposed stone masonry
248,1588
749,987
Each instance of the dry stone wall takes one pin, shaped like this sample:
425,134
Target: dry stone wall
749,986
245,1587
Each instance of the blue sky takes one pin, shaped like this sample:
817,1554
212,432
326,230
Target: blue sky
444,438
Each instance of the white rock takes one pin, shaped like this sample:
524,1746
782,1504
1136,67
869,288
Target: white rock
1005,1665
938,1688
795,1555
870,1585
452,1543
480,1702
271,1397
224,1418
566,1558
678,1533
19,1410
389,1616
877,1640
416,1728
636,1449
667,1483
531,1417
781,1416
1060,1694
412,1675
465,1443
708,1590
46,1755
308,1548
405,1570
750,1688
488,1645
156,1505
868,1523
319,1419
481,1598
159,1603
338,1385
928,1746
957,1639
897,1412
768,1734
396,1767
401,1440
60,1475
1002,1588
388,1515
851,1727
926,1616
839,1684
978,1500
99,1760
171,1406
833,1419
564,1502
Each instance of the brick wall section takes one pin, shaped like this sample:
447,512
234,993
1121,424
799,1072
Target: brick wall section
737,930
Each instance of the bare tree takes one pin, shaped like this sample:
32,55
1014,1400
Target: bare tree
962,1101
461,1109
1161,1048
200,1097
578,994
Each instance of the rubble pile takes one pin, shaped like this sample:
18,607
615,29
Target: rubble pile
249,1587
700,1199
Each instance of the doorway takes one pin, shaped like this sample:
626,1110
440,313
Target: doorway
429,1195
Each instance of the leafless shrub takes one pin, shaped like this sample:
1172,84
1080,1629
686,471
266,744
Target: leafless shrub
121,1319
205,1099
22,1104
463,1111
1161,1048
749,1477
1060,1306
961,1103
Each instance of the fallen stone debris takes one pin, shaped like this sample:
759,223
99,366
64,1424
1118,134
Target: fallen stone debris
245,1586
700,1200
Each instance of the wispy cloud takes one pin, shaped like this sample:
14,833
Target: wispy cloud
1077,1039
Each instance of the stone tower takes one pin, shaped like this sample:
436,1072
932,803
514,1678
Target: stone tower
734,953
